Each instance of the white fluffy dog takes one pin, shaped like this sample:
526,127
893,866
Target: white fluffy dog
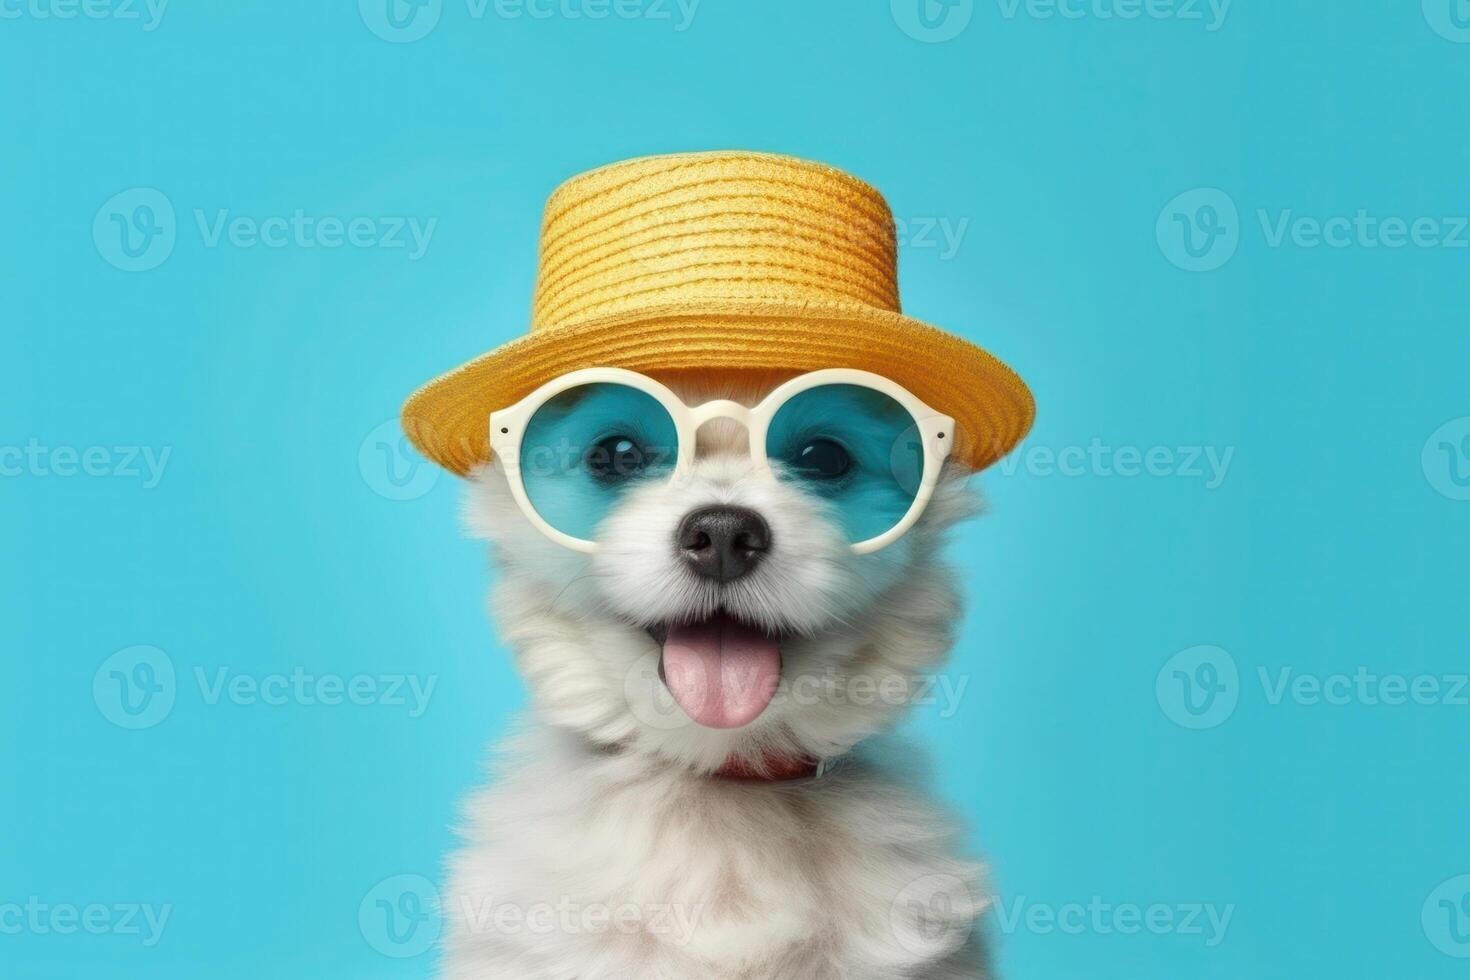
624,840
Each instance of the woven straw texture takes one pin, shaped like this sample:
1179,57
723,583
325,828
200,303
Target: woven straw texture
721,261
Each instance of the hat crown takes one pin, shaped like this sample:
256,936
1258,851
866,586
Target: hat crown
706,228
721,262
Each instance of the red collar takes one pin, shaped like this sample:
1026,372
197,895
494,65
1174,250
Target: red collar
775,769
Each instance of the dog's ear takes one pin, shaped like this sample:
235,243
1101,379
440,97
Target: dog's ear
488,510
957,498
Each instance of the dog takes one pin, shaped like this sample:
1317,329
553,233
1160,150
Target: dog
716,476
623,839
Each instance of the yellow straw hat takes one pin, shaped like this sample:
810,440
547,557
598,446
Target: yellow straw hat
721,261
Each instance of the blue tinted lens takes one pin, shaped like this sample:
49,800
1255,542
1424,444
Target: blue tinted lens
587,446
854,447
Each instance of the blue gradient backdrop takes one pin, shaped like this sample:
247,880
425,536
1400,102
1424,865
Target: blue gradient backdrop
1122,207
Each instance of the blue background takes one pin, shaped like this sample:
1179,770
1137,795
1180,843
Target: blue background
273,375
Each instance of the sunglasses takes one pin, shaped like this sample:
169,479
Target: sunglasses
866,447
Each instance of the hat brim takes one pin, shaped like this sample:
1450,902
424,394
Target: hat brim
448,418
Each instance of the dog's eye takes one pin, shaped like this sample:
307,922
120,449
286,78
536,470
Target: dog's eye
614,458
822,459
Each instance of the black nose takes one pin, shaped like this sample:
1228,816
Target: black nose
723,543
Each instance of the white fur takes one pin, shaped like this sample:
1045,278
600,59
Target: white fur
606,849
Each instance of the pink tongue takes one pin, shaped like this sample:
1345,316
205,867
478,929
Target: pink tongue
722,672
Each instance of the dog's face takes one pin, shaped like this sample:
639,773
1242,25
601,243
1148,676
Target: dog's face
724,615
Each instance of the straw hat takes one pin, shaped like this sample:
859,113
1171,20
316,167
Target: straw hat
718,262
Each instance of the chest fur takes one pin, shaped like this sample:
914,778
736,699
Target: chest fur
669,876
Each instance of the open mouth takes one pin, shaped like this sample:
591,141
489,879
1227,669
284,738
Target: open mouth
723,672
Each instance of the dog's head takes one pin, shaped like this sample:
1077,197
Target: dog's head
723,616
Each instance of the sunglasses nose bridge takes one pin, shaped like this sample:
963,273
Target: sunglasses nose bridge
722,409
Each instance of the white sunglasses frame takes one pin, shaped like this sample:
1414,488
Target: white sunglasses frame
508,427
